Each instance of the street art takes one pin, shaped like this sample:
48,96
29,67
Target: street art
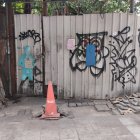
90,47
32,73
123,59
37,71
27,62
30,33
37,83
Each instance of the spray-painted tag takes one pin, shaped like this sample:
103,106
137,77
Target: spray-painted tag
71,44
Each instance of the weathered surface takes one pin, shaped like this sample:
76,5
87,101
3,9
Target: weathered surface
81,123
3,100
127,104
119,44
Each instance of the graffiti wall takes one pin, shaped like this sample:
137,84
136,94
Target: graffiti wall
87,56
123,58
85,53
93,56
29,57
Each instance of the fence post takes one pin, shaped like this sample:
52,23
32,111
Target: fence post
11,48
27,7
45,13
132,4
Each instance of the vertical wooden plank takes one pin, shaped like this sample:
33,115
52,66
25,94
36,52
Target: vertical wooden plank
92,79
53,49
60,56
47,43
12,65
73,36
107,72
78,87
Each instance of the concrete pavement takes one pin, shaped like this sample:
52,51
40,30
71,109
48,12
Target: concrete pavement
82,123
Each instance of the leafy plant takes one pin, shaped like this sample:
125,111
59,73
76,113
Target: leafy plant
116,6
36,7
94,6
19,7
54,7
77,7
138,7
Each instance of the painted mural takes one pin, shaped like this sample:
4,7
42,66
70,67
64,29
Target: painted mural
28,62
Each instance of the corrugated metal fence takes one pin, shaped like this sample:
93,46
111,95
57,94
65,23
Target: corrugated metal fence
28,32
116,38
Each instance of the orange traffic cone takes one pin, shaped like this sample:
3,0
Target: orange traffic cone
51,108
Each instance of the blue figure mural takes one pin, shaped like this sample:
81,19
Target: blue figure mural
27,62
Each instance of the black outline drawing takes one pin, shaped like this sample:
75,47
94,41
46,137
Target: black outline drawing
123,59
30,33
80,53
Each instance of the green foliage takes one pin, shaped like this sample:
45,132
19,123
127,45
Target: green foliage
54,8
116,6
36,7
94,6
138,7
18,7
77,7
81,6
